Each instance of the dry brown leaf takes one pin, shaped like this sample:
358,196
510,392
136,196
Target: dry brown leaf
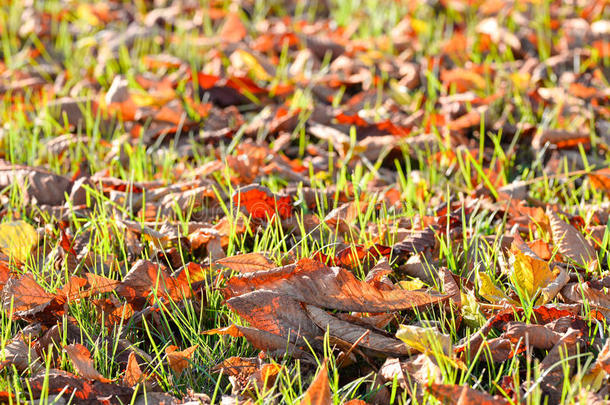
133,374
246,263
179,360
464,395
245,372
18,353
318,392
537,336
451,288
352,333
263,340
419,369
233,30
553,374
552,289
278,314
39,186
570,241
25,295
334,288
81,359
85,391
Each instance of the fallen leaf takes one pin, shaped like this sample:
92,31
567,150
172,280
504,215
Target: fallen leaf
233,30
55,381
427,340
353,334
312,282
17,239
246,263
81,359
179,360
318,392
530,273
570,241
464,395
537,336
278,314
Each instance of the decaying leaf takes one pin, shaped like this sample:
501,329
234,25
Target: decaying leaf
318,392
83,363
314,283
179,359
570,241
246,263
464,395
353,334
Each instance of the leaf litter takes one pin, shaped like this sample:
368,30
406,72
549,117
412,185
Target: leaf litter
399,202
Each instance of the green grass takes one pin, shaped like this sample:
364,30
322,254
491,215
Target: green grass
425,177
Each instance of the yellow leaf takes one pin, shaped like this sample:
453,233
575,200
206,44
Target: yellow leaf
17,239
530,273
430,341
424,339
255,67
411,285
489,291
471,312
419,26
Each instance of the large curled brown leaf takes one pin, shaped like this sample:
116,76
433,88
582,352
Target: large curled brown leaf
312,282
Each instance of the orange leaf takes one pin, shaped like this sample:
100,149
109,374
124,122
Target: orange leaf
81,359
233,30
179,360
318,392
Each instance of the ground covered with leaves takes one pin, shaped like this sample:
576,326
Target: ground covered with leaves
331,202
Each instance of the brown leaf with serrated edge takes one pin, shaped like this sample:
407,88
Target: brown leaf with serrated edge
464,395
312,282
146,277
571,243
25,294
318,392
246,263
271,312
81,359
179,360
55,381
352,333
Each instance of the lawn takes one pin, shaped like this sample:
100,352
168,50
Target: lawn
304,202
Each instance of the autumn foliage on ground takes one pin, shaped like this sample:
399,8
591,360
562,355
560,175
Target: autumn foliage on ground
325,202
